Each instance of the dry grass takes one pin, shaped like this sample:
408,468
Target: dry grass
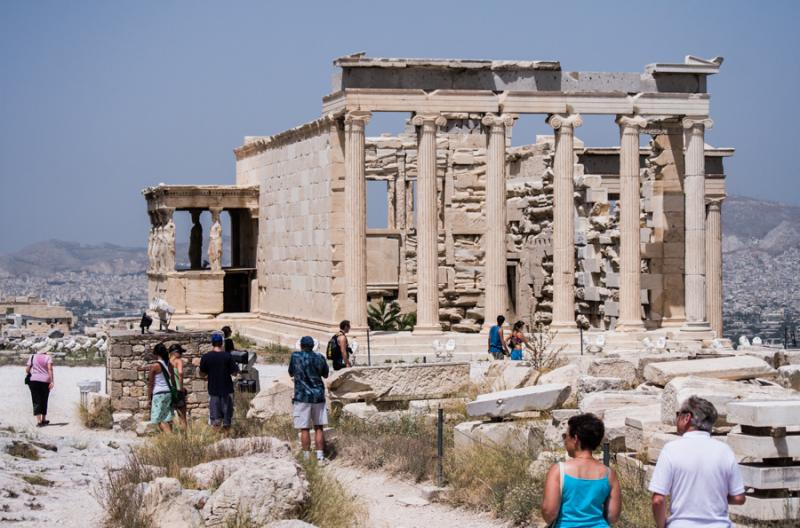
495,480
273,353
121,495
181,449
329,504
100,418
406,446
22,450
37,480
636,505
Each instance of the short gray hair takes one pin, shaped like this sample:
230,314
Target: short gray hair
704,414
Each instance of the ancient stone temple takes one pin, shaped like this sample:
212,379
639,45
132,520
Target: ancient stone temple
623,240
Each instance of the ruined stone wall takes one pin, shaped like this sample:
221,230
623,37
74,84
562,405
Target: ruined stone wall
128,359
461,172
295,255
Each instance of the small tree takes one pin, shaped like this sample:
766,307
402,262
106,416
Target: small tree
542,353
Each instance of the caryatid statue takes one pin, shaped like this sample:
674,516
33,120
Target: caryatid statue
169,241
196,242
215,245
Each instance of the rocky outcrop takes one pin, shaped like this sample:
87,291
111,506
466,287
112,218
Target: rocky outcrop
272,490
274,399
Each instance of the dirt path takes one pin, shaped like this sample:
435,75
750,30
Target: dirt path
392,503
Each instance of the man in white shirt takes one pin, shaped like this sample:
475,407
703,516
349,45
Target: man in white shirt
698,473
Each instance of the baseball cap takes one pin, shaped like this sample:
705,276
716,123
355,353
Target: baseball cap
217,337
307,342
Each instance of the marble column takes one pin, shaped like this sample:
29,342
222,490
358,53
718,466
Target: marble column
714,264
695,223
355,220
427,226
630,301
400,194
495,285
563,221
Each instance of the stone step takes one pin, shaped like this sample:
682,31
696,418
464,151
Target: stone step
754,448
765,413
762,476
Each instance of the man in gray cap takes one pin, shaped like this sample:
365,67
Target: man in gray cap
308,368
219,366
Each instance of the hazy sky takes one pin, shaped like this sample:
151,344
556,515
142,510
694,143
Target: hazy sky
101,99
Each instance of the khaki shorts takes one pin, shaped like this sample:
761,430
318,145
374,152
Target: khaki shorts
306,415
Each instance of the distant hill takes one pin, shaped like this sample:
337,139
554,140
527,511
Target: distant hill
771,227
52,256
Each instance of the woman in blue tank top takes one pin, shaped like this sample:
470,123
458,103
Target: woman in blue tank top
581,492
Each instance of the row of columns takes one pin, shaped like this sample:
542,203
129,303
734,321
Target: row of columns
564,125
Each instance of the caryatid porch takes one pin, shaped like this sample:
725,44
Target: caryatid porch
205,286
665,97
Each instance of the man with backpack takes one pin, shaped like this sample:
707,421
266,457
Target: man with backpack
339,351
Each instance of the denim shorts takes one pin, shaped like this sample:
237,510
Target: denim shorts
220,410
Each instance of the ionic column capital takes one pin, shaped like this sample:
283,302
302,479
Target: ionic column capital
429,120
695,122
714,202
633,122
357,118
558,121
494,121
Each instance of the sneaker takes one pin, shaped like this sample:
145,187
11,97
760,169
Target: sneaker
45,422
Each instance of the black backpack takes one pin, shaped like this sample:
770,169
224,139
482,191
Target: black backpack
333,352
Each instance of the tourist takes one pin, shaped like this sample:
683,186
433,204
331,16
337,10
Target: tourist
307,368
497,343
160,389
581,491
176,352
219,366
339,350
227,332
698,474
39,373
517,340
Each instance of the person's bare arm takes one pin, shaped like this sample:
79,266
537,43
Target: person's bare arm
50,374
737,500
551,503
503,341
659,503
342,340
614,504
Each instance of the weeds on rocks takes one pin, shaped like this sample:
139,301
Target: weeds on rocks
37,480
22,450
99,418
180,449
636,499
121,495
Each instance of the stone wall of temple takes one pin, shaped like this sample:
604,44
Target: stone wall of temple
297,209
128,359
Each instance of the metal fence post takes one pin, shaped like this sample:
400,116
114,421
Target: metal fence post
440,447
606,453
